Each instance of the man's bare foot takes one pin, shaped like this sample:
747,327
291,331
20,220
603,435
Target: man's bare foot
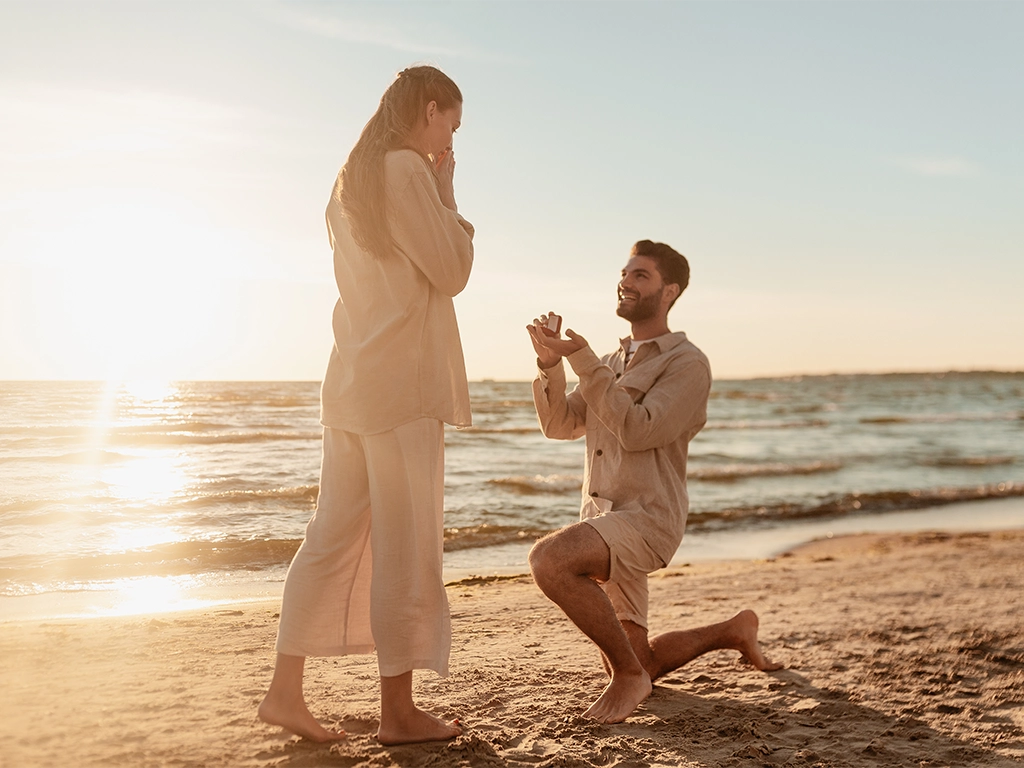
295,716
416,726
745,623
622,695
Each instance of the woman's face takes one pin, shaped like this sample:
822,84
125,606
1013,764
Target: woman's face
439,129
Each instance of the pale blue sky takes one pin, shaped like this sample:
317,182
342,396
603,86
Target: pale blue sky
846,178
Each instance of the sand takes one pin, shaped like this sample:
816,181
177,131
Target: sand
901,650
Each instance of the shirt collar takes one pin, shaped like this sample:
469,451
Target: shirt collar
665,342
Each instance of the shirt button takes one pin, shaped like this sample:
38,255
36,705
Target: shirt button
594,494
598,452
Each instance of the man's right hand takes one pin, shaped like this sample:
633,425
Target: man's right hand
551,348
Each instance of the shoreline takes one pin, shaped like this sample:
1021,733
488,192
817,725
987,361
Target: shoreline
142,595
900,649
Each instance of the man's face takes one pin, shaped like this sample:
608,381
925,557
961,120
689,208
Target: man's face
641,290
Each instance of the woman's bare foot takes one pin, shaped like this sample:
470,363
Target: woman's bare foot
621,696
415,726
294,716
745,623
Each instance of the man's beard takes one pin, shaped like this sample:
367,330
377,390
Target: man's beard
643,308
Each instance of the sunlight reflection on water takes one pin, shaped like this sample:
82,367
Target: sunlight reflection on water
156,476
149,476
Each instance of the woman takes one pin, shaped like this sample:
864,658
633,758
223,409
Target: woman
368,574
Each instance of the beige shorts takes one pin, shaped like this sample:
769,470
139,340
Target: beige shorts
631,560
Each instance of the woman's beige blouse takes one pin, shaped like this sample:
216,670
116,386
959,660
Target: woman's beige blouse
397,354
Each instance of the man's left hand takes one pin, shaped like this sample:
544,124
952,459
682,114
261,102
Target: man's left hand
555,346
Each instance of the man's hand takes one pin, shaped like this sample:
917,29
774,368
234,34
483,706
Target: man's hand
551,347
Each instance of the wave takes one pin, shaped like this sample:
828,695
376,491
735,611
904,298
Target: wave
857,503
942,418
149,434
191,557
528,484
56,509
192,438
20,506
76,457
90,429
492,406
287,402
732,472
501,430
739,394
198,556
767,424
971,461
477,536
173,559
306,493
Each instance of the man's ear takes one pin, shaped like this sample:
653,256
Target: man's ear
672,290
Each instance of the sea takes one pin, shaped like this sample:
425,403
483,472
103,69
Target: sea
119,498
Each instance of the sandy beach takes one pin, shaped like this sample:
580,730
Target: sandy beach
900,650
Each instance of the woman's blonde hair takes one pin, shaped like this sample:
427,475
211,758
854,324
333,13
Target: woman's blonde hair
360,185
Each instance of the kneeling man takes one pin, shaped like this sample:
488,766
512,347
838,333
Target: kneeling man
639,407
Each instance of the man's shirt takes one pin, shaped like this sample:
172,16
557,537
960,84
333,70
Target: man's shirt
638,421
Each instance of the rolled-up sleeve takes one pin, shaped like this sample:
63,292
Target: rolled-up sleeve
561,416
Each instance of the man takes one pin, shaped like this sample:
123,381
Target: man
639,407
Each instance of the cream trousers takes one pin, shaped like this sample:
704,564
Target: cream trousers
368,573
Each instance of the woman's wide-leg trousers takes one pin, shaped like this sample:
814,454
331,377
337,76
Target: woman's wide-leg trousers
368,574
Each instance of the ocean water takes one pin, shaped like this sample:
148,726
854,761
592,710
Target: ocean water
119,498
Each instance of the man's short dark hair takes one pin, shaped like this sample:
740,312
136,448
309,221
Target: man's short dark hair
672,265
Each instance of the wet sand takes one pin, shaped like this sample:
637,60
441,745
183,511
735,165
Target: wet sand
900,650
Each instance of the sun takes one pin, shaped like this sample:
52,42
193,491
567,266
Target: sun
136,290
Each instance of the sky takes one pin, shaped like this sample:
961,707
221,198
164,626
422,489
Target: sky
846,178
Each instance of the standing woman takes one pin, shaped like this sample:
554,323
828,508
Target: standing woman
368,574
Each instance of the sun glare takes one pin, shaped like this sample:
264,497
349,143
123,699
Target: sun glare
150,474
129,416
149,390
131,537
139,290
153,594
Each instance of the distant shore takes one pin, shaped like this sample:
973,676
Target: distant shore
900,649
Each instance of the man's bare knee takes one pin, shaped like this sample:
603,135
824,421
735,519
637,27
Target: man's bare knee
577,550
542,565
538,554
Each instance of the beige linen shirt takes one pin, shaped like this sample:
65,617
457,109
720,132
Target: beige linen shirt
397,354
638,421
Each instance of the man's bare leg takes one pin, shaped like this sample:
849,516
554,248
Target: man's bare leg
401,722
285,706
565,565
666,652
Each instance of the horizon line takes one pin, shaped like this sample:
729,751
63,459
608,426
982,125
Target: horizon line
492,380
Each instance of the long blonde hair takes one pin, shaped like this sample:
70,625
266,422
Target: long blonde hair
360,185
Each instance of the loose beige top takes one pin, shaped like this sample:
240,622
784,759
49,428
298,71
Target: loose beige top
397,354
639,420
